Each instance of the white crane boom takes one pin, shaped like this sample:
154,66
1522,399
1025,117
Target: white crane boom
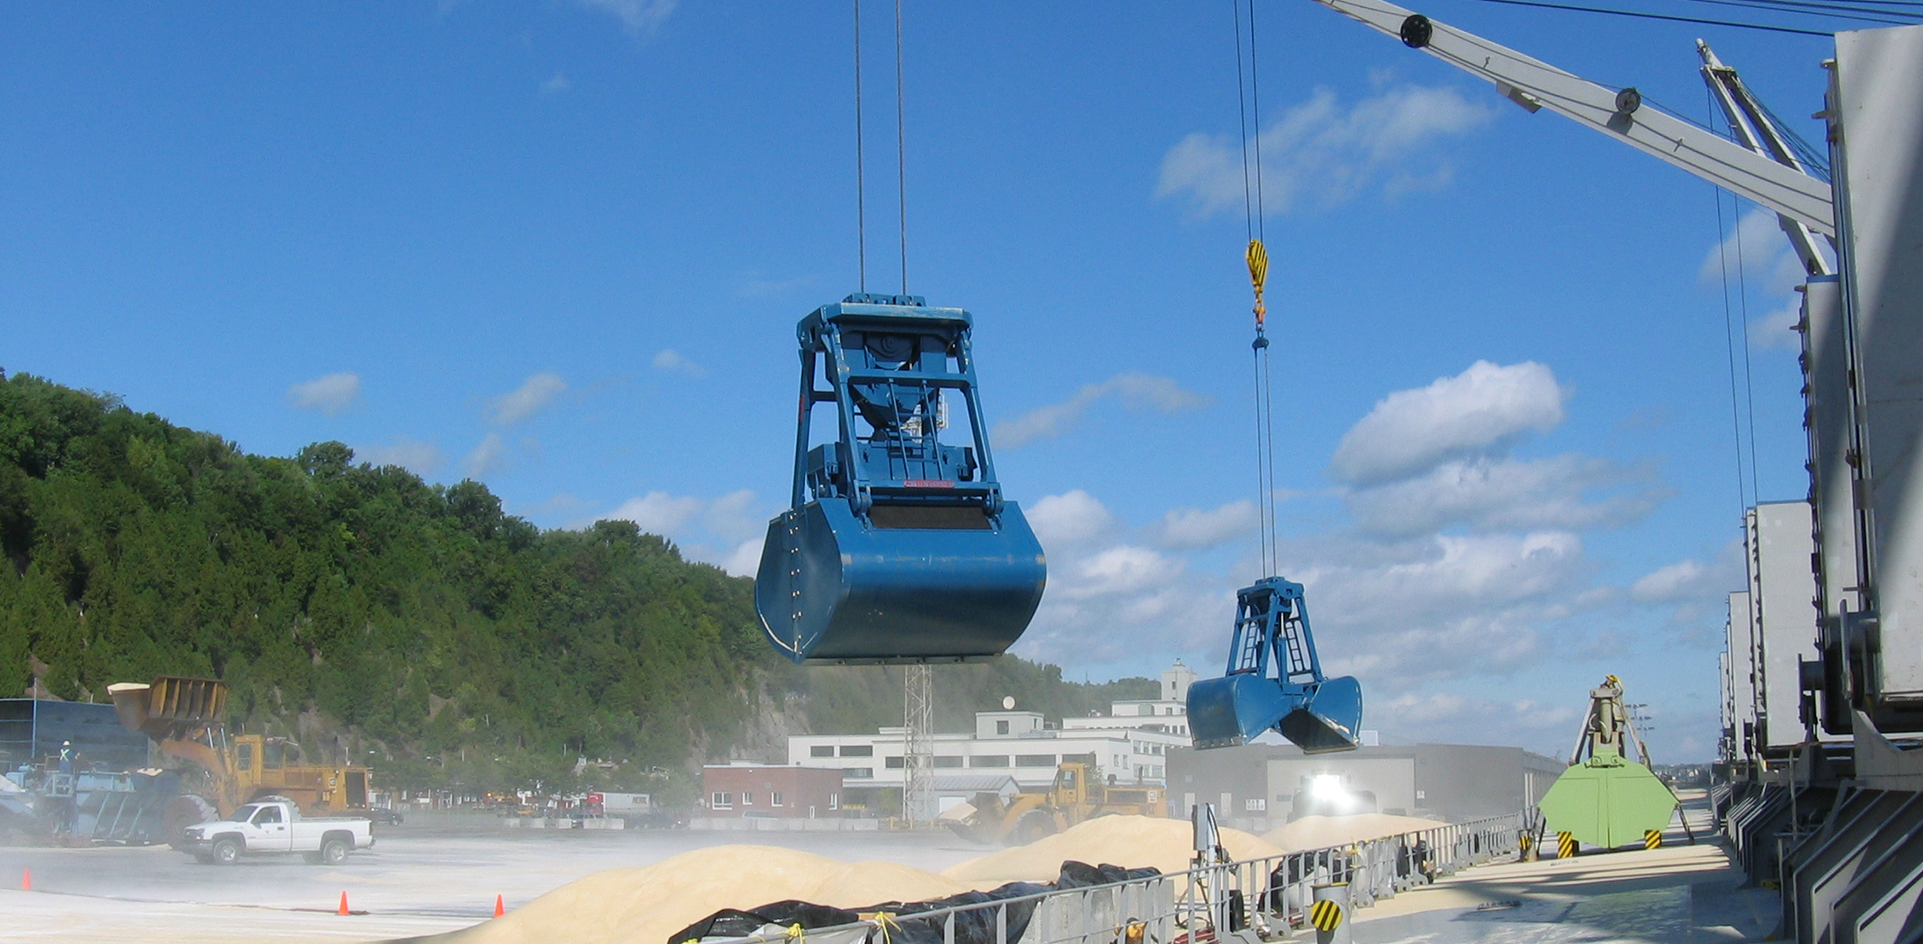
1618,113
1751,126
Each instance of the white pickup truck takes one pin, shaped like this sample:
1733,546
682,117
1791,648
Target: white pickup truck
273,826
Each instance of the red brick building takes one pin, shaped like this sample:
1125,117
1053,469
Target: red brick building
741,790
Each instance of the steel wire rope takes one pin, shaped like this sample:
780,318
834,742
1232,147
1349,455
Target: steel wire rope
1818,10
1242,117
861,182
1749,388
1729,340
1658,16
1261,233
1249,111
901,154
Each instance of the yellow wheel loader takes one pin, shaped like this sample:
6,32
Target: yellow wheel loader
187,718
1076,796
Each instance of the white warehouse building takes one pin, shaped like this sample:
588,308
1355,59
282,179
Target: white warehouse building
1015,748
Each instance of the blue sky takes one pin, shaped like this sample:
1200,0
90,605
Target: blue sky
561,246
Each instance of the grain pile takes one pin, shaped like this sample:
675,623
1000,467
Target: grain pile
645,905
1321,832
1128,841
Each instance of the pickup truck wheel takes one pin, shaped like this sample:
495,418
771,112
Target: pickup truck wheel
226,852
333,852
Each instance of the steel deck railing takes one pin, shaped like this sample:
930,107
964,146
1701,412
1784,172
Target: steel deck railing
1268,895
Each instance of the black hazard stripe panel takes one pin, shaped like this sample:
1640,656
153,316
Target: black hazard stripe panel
1325,915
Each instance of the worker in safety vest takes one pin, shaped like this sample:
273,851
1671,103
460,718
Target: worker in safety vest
66,757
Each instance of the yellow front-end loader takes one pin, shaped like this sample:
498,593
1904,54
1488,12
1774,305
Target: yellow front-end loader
1076,796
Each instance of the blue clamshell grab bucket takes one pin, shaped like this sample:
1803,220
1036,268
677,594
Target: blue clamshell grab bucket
854,592
1318,714
898,547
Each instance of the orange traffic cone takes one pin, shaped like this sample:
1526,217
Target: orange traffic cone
26,881
343,904
500,907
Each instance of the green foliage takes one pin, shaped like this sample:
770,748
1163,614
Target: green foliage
460,644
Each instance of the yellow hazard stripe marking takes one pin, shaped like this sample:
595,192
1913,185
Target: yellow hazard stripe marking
1325,915
1652,838
1565,845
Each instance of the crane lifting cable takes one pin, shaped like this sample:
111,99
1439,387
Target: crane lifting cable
1274,679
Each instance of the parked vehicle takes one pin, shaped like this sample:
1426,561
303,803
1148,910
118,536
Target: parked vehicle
274,826
384,817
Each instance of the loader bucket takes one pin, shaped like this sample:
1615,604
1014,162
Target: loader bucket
169,706
953,586
1234,710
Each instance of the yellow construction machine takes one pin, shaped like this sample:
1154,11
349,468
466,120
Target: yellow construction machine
1076,796
187,718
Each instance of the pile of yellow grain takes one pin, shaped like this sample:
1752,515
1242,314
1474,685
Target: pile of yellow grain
1129,841
645,905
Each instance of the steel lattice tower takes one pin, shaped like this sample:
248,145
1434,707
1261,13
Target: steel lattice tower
918,746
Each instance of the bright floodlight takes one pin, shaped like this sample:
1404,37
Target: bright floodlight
1328,787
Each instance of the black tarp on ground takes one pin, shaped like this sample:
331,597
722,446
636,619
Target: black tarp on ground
973,927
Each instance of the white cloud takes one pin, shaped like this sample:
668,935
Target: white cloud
1756,238
657,512
1679,581
1194,528
1778,328
556,84
411,454
1482,408
734,516
1136,392
637,16
331,394
528,399
745,559
1489,493
1322,152
725,531
1070,519
488,457
671,361
773,288
1445,717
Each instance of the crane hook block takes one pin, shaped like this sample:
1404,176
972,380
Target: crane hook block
1274,680
898,546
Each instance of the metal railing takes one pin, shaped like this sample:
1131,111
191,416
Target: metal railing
1268,895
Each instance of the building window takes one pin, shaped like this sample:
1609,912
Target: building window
1000,760
722,801
747,799
774,798
859,773
1034,760
892,763
822,750
857,750
1255,805
1001,727
834,801
945,761
1088,759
